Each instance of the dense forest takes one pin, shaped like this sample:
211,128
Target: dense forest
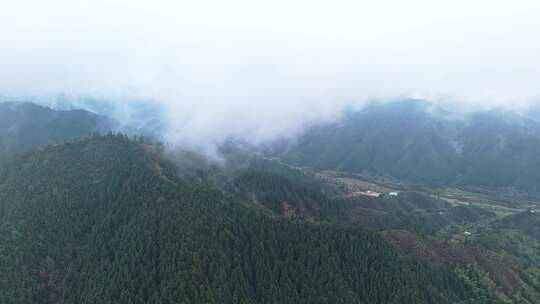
104,220
496,256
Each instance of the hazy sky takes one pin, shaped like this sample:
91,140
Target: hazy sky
263,69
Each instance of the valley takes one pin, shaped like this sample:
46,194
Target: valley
501,203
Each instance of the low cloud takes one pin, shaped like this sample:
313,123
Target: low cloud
259,72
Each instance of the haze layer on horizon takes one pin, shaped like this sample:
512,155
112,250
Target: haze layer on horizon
258,71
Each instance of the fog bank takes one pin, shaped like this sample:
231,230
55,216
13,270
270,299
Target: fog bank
258,71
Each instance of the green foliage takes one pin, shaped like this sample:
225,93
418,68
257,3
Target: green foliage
272,186
527,222
479,283
300,195
105,220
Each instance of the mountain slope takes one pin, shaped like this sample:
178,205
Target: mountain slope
106,220
415,141
27,125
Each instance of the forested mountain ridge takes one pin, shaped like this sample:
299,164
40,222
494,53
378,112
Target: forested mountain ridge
102,220
495,254
416,141
25,125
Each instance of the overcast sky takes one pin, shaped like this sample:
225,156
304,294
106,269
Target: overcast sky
263,69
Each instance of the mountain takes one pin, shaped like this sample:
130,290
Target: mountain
107,220
418,142
103,218
27,125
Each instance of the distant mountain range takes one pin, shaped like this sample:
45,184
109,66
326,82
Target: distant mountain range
409,140
417,141
27,125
